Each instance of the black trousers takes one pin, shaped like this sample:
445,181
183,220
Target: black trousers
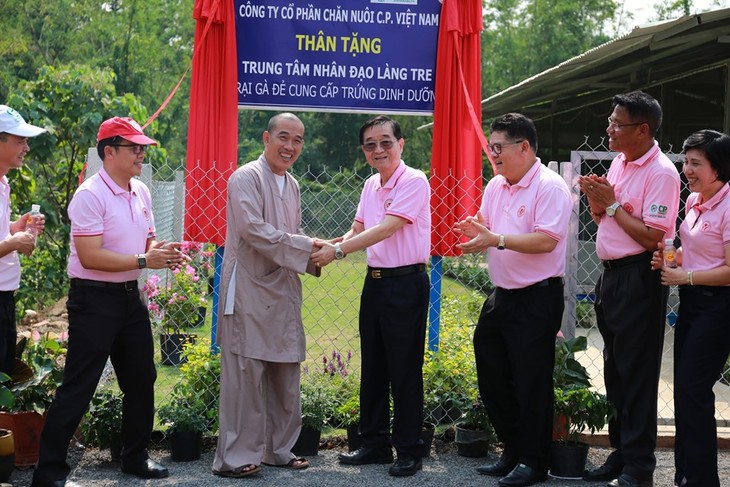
393,313
514,347
701,347
631,307
8,332
103,323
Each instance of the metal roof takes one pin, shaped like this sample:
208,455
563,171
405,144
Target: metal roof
649,55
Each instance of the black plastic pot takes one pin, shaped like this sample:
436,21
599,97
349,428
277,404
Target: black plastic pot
307,444
568,459
185,446
471,443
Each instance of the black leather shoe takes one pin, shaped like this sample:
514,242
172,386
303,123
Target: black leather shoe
523,475
405,466
606,471
365,456
502,467
149,469
626,480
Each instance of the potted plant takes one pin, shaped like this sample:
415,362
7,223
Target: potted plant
347,415
577,408
28,392
176,303
568,373
186,418
102,424
585,409
474,432
201,372
318,399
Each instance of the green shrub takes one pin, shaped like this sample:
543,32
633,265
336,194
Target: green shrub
470,271
103,420
201,375
186,411
449,374
585,315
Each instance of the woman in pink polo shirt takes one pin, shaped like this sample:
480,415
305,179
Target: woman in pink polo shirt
702,334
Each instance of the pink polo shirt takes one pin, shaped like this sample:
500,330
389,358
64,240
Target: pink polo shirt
539,202
407,195
647,188
9,263
705,231
123,219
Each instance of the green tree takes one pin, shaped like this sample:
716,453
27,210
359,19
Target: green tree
525,37
148,44
71,101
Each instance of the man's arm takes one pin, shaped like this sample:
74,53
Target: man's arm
357,238
93,256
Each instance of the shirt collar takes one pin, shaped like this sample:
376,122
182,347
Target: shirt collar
528,177
113,186
648,156
712,202
395,176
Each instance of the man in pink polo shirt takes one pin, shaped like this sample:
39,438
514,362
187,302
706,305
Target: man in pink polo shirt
393,222
522,225
14,134
635,206
112,238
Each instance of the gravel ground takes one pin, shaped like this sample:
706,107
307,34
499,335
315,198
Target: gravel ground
443,469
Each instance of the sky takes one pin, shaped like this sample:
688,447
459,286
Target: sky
643,10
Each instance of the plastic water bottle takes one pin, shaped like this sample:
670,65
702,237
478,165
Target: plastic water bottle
35,212
670,254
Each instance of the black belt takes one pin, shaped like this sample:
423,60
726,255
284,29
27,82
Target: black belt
126,286
709,291
624,261
544,283
396,271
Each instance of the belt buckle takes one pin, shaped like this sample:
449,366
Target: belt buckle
375,274
129,285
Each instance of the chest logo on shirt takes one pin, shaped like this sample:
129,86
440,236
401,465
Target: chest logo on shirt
146,213
705,226
521,211
387,203
628,208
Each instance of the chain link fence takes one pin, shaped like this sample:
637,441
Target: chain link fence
331,302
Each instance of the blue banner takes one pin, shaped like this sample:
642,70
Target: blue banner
375,56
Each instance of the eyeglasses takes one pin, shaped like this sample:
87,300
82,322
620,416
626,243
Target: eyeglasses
496,148
386,144
136,148
619,126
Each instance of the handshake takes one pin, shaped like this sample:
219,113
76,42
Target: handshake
324,251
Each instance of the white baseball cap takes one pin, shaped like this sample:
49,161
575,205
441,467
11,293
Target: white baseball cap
12,123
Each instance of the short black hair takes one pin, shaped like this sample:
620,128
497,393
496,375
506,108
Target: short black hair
716,148
380,120
104,143
516,126
642,107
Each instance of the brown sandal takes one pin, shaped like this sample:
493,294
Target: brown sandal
240,472
297,463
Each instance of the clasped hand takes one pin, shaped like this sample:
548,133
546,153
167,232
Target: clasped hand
481,237
323,251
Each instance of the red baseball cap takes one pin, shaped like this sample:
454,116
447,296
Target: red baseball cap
126,128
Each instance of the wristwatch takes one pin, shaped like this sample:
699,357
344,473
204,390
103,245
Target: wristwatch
141,261
500,244
339,254
611,209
